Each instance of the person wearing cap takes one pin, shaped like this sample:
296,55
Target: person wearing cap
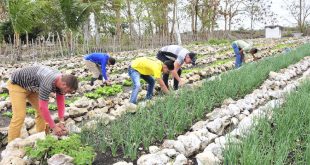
179,55
240,47
145,68
97,63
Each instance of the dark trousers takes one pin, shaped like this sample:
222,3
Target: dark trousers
163,58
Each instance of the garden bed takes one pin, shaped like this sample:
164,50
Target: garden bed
173,116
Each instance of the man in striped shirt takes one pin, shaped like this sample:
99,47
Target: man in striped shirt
35,83
179,55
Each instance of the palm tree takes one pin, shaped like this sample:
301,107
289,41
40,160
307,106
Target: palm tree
23,15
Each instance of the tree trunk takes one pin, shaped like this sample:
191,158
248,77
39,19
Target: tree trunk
17,45
132,31
196,19
117,10
85,36
173,20
300,15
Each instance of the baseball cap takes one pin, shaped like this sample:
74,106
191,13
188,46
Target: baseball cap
192,56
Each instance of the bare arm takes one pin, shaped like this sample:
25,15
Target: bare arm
162,85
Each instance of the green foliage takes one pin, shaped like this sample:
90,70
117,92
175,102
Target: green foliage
25,14
283,139
71,146
7,114
221,62
281,46
104,91
31,111
71,100
186,71
86,78
4,96
92,95
218,41
52,107
172,114
127,83
73,13
109,90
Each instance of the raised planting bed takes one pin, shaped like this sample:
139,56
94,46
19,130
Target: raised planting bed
173,114
282,139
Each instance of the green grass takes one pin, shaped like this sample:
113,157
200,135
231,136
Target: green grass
282,140
211,42
173,114
219,41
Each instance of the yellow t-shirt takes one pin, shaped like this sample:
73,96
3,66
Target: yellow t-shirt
148,66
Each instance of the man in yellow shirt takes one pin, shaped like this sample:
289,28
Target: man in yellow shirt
145,68
240,47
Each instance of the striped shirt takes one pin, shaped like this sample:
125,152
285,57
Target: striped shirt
40,79
175,53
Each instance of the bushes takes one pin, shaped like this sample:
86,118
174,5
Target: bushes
172,115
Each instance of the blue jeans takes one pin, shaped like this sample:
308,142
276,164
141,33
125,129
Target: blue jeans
135,78
238,62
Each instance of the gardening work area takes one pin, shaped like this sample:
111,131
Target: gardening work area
141,82
199,123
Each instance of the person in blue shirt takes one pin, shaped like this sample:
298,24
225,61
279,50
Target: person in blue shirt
97,63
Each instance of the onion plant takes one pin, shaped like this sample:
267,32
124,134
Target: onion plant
283,139
174,115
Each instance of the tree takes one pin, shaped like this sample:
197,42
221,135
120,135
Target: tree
3,11
24,15
229,9
208,13
132,31
300,12
257,10
193,6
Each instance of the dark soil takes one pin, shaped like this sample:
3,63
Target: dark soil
108,159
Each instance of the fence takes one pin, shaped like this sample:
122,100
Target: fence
61,46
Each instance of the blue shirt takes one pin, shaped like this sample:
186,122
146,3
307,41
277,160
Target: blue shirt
100,59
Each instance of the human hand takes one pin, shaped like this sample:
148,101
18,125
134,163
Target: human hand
57,130
181,82
60,130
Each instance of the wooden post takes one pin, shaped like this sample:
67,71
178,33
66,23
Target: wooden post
61,50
